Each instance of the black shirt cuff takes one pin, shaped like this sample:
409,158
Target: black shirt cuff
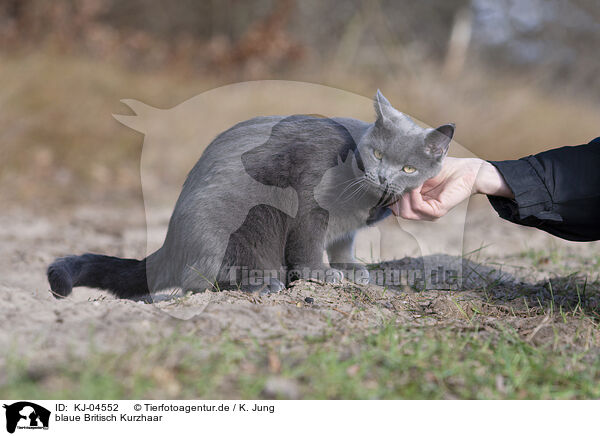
532,203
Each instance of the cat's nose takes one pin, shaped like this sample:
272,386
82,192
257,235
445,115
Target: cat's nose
382,179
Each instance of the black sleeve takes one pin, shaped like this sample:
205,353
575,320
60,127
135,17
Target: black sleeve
557,191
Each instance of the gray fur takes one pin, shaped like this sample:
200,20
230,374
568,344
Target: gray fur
273,193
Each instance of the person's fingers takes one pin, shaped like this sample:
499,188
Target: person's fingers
424,208
412,206
403,208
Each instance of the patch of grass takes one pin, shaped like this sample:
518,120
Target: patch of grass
392,362
416,364
540,257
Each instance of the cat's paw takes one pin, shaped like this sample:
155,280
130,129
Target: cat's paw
355,272
272,286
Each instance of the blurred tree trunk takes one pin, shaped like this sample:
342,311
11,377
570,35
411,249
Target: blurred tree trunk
458,43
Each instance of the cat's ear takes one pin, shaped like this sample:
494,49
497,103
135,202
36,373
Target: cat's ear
438,140
383,108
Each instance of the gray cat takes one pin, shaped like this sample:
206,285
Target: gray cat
267,198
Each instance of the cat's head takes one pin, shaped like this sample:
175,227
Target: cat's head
397,154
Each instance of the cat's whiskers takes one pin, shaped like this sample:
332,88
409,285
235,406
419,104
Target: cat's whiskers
351,195
389,196
354,179
354,183
358,193
362,194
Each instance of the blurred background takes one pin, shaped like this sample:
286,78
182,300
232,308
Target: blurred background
517,77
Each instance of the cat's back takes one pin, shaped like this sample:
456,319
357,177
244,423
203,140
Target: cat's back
254,132
223,155
356,128
242,136
221,162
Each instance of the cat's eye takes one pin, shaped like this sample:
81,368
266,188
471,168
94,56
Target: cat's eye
408,169
378,154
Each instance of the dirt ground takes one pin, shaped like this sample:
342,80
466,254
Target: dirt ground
505,278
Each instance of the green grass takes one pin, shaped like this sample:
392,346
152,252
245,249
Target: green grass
394,362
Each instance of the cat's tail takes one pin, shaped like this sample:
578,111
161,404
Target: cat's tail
125,278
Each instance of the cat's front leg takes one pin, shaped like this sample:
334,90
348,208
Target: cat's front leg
341,257
304,248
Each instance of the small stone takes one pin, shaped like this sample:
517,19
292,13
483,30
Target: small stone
352,370
281,388
309,300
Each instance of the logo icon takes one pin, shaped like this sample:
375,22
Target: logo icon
26,415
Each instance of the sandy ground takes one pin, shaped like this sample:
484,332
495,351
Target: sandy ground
46,331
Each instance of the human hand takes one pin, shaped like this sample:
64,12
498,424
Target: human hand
458,180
